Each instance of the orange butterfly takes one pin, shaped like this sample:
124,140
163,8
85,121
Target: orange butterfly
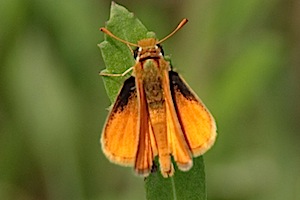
156,114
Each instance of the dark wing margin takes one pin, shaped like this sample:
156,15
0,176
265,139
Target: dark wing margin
124,95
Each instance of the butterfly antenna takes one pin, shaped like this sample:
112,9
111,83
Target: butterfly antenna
107,32
180,25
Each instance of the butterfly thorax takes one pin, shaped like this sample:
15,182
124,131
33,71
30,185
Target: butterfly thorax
152,81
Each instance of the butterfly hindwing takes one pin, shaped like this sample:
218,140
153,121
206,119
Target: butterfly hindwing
120,135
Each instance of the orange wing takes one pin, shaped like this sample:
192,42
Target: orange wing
119,137
177,143
196,122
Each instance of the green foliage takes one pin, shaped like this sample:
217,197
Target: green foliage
118,58
241,57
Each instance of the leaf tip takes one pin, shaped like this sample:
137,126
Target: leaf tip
151,34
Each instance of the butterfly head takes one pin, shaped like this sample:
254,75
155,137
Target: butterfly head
148,48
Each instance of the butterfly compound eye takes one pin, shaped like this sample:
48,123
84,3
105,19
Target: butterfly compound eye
161,49
135,52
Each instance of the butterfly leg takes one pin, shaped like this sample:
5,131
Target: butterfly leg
103,73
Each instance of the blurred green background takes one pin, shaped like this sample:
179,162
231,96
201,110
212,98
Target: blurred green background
241,57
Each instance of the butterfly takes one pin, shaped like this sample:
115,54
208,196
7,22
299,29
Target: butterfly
156,114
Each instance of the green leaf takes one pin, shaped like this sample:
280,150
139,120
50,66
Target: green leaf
183,185
118,58
116,55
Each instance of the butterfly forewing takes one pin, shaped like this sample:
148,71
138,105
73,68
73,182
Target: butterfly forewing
146,150
196,122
